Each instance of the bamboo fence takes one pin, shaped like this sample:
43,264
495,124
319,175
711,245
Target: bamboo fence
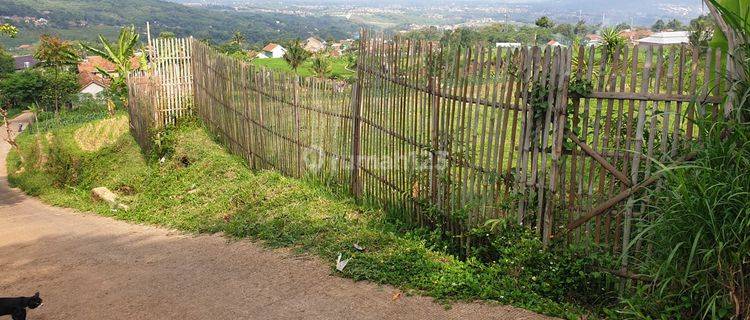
559,140
172,70
275,120
143,116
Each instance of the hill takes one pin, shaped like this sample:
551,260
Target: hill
84,19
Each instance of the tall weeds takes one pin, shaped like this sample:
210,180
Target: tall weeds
699,232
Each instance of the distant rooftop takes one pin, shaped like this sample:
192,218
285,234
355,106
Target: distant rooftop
269,47
24,62
666,38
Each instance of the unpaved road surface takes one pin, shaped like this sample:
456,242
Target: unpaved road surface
91,267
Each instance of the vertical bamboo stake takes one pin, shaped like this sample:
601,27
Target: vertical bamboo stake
357,120
297,125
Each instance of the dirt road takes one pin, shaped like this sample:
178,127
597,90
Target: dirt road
90,267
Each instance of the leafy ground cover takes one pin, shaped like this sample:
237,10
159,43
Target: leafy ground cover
193,184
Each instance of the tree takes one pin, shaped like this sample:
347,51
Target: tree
295,55
60,89
167,35
612,41
48,88
581,28
8,30
622,26
231,48
675,24
321,66
544,22
120,54
22,88
56,53
701,31
238,38
7,64
462,37
659,25
565,29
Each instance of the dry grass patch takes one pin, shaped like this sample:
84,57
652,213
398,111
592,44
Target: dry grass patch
96,135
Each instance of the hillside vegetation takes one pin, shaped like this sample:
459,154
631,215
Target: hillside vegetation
84,19
338,67
193,184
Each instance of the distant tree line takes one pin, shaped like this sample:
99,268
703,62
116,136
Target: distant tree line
545,29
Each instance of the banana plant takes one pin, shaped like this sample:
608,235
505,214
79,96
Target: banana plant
120,54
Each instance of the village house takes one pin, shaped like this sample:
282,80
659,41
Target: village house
666,38
632,35
338,46
314,45
24,62
91,80
592,39
507,44
271,50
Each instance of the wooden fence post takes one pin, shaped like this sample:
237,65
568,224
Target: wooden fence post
434,132
260,127
356,184
562,62
297,125
248,116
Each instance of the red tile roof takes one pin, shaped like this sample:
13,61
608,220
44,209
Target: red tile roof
88,72
269,47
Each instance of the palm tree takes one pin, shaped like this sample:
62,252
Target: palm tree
120,54
295,56
321,66
612,41
238,38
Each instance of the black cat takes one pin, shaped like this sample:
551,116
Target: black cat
16,307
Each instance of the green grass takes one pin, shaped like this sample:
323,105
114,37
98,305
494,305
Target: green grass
338,67
200,187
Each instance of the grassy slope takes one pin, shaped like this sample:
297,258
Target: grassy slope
338,67
217,192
